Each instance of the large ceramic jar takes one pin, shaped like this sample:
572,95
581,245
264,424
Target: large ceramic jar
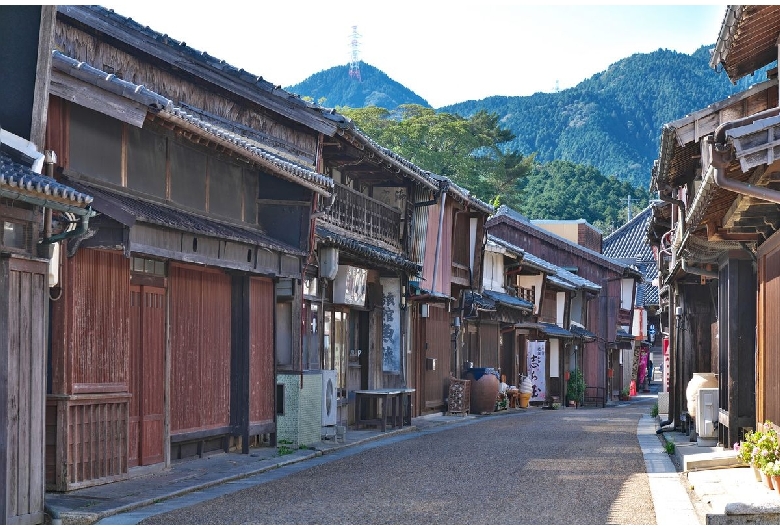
484,389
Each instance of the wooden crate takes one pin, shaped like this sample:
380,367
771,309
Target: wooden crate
460,396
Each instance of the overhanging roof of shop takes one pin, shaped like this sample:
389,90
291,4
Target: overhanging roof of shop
421,294
582,333
129,210
366,251
552,330
20,178
622,334
508,300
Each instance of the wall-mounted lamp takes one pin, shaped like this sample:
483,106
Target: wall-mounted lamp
424,310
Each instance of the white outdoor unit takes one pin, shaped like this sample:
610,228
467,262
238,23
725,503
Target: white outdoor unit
329,398
707,417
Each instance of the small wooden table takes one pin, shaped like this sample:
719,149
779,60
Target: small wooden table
394,404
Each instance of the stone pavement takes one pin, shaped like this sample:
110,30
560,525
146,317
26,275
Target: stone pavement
693,486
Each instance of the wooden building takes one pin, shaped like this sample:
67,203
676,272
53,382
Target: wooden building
204,178
30,204
629,244
371,248
604,307
715,234
450,244
550,314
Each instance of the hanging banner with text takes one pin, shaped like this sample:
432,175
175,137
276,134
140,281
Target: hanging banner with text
536,368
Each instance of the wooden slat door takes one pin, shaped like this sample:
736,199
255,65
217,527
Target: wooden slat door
147,374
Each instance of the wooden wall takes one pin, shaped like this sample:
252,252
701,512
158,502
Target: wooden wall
87,408
768,361
23,299
261,357
200,348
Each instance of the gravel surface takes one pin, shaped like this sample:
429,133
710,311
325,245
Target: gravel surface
567,466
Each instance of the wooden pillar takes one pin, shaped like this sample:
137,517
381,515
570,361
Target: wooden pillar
737,344
239,359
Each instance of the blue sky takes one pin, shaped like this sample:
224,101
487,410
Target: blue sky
446,52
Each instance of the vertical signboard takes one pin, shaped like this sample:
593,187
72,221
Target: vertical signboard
536,369
391,325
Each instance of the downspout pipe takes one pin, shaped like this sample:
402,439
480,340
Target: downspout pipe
721,156
444,188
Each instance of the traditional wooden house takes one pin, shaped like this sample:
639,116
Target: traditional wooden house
715,234
31,203
165,329
629,244
450,245
549,293
606,312
367,253
32,208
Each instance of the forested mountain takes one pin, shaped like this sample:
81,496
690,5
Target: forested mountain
611,121
335,88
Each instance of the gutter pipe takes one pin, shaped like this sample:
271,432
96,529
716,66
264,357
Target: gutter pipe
721,156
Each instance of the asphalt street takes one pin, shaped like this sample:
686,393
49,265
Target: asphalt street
566,466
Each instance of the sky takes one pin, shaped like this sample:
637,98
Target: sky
445,51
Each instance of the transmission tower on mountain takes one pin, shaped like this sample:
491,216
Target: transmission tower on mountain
354,64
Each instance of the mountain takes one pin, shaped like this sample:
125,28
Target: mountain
334,87
611,121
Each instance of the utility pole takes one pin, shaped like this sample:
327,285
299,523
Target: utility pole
628,215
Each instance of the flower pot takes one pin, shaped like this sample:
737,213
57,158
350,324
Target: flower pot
776,483
756,472
767,480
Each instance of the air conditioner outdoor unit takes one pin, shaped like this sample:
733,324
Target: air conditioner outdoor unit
329,398
707,417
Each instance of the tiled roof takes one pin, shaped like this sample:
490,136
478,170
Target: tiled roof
365,250
106,201
579,331
19,181
524,223
464,195
322,119
556,275
553,330
629,243
507,300
168,110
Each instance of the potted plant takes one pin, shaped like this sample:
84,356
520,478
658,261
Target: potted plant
765,451
772,471
744,450
575,389
625,394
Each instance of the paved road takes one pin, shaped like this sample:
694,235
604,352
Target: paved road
566,466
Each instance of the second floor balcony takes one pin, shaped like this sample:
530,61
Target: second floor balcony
359,213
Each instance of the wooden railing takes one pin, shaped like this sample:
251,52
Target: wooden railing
369,217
